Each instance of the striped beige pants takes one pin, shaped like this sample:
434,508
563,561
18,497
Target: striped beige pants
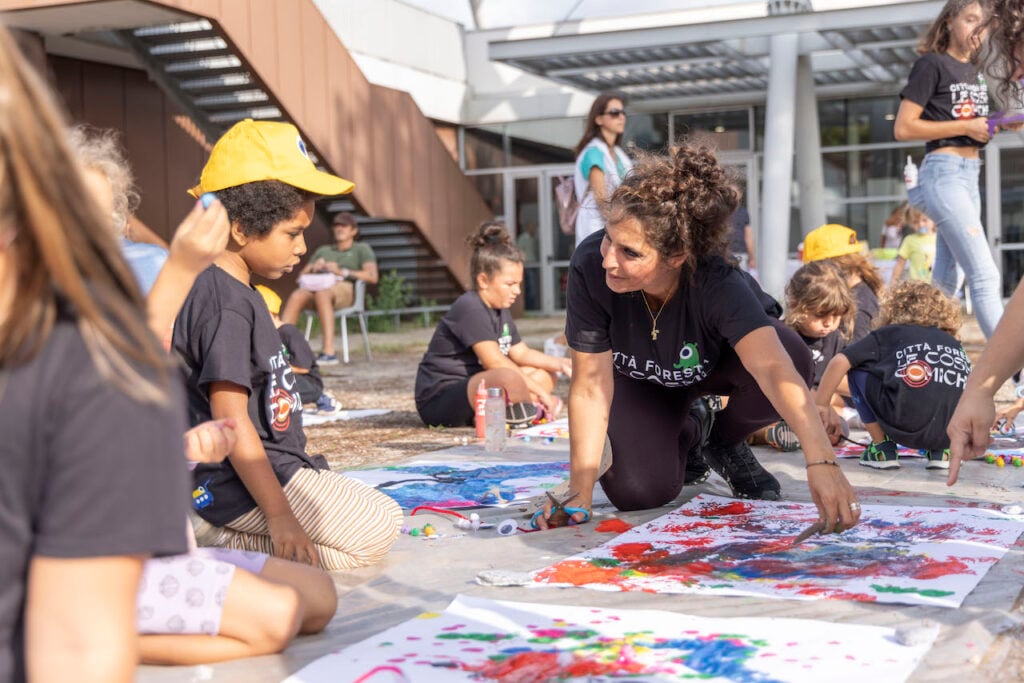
351,524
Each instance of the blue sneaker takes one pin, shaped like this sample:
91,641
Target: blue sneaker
327,359
327,404
938,460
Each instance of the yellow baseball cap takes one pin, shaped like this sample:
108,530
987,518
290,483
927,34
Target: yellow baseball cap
265,150
271,297
830,240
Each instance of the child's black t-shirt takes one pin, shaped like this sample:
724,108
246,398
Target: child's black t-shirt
823,350
718,306
947,90
915,378
225,333
297,350
867,310
450,355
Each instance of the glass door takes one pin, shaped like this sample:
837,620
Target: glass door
1007,236
745,170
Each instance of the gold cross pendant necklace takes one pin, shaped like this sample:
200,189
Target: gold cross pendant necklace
654,316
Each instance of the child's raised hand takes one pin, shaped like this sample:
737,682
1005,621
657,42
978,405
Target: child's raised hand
565,366
211,441
1009,413
201,237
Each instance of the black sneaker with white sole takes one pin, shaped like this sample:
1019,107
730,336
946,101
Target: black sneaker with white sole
697,469
521,415
741,470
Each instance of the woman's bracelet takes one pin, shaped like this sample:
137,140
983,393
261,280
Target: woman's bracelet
834,463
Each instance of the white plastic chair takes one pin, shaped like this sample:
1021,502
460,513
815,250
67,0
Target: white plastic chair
358,309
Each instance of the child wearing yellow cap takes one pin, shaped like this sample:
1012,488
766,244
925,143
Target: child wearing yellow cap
840,244
269,495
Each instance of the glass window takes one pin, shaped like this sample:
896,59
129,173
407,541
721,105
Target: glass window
544,141
729,129
866,218
832,122
866,173
1013,270
484,147
647,131
871,119
490,188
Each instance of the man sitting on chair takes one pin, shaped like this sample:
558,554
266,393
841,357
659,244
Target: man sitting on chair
346,259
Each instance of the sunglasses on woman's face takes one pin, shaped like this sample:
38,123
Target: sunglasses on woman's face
615,113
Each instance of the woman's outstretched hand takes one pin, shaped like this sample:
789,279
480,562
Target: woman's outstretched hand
835,499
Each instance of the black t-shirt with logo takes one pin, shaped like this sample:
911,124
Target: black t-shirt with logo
718,306
916,377
823,350
450,355
88,472
947,90
224,333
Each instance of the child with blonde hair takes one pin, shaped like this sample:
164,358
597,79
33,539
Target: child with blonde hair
917,250
820,308
905,377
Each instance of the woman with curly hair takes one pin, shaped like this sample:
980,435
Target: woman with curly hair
905,377
658,318
946,105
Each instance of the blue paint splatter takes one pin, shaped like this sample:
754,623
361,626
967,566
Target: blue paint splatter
444,486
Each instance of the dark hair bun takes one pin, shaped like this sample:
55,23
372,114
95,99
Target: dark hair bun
490,234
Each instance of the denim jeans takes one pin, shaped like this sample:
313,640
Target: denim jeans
948,192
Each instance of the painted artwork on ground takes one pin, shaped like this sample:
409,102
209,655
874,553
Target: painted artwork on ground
722,546
312,419
854,450
557,429
463,484
486,640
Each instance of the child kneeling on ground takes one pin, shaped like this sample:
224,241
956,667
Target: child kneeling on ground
905,377
478,340
269,495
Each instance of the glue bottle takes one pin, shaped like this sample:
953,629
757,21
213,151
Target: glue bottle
494,429
481,397
910,173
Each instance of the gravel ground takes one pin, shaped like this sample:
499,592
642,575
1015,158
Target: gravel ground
387,382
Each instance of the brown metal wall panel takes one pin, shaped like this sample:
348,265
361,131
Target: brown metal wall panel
339,115
263,36
316,119
145,142
383,150
236,12
404,164
292,56
103,95
67,82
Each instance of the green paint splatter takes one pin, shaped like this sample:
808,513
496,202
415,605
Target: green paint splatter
605,562
482,637
582,634
926,592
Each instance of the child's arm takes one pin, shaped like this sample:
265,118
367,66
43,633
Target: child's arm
491,357
910,126
290,540
521,354
835,373
897,270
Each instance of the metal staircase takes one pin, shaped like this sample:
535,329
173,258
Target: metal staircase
197,68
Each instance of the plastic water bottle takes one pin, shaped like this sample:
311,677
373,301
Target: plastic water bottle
910,173
479,419
494,428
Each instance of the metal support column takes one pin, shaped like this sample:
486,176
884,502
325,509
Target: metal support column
779,134
809,173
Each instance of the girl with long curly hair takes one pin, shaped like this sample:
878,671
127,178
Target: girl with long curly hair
657,317
946,105
905,377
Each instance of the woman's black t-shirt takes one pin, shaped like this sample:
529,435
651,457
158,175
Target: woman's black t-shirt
450,355
718,306
947,90
915,378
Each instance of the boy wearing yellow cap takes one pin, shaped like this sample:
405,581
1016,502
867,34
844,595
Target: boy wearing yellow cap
269,495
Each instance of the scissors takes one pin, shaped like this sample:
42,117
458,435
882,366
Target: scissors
560,514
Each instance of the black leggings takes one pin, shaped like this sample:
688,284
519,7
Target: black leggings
651,429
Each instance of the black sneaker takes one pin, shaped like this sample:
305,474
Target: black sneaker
697,469
521,415
741,470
